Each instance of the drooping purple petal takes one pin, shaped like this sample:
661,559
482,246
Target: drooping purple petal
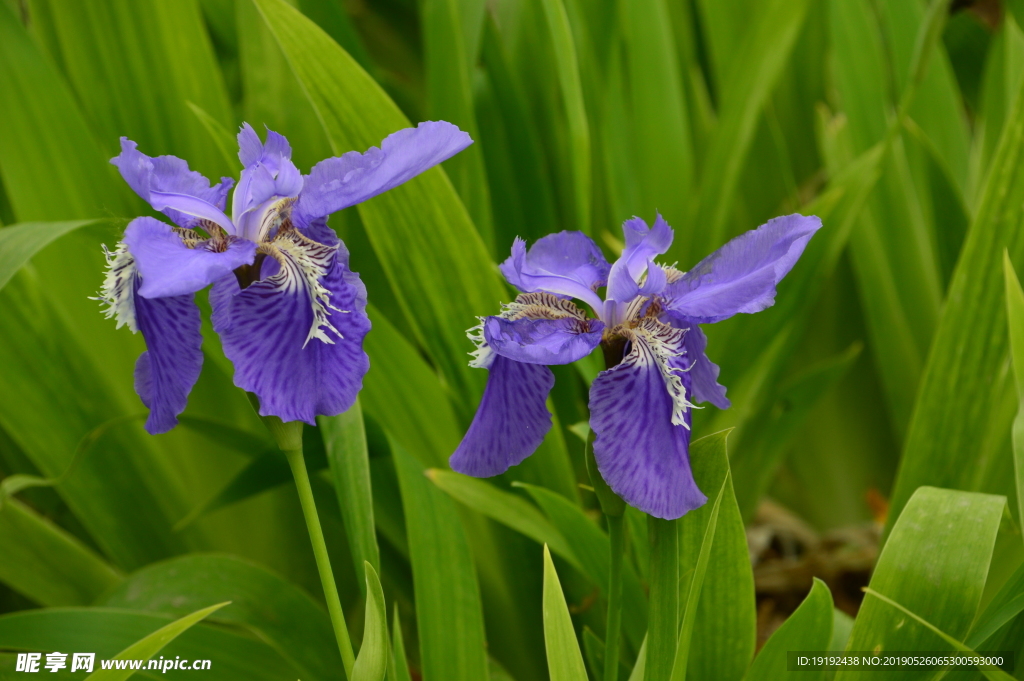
340,182
511,421
741,276
643,243
299,350
640,451
543,341
170,268
565,263
166,183
166,372
269,175
703,372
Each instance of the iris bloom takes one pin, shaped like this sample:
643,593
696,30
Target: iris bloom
648,327
289,311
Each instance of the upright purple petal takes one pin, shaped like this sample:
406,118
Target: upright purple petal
170,268
269,175
295,338
340,182
170,366
741,276
642,245
703,372
511,421
169,177
642,433
565,263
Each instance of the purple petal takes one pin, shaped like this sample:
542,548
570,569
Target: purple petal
170,366
741,276
566,263
511,421
640,452
340,182
543,341
170,268
269,175
642,245
703,372
165,182
284,349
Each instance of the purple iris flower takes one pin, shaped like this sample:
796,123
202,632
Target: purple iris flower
648,327
290,313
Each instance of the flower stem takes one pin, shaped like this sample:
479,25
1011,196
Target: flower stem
663,618
617,535
323,561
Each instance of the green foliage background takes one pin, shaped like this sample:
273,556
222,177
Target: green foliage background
885,364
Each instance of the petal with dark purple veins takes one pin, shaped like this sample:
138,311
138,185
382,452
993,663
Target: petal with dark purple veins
741,275
170,366
641,418
566,263
703,372
167,184
170,268
296,336
643,243
343,181
511,421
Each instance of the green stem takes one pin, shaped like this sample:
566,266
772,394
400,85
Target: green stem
663,617
617,535
323,561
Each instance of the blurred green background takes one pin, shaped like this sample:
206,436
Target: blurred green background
884,365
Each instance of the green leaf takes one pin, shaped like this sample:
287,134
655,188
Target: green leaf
745,88
565,662
18,243
448,609
44,126
47,564
506,508
897,270
662,153
152,644
568,71
372,661
725,614
434,259
1003,607
1015,317
770,432
138,84
345,441
280,613
640,668
989,671
842,627
696,583
693,591
419,416
942,537
450,62
808,628
106,631
965,403
398,668
592,547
